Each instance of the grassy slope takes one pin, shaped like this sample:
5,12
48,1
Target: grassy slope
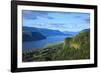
74,48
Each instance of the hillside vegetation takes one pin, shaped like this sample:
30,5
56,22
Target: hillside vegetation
74,48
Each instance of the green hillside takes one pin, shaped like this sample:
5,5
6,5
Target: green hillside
75,48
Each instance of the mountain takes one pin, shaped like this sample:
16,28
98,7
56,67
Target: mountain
73,48
85,30
32,36
70,33
44,31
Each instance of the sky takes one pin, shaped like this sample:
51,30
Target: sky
62,21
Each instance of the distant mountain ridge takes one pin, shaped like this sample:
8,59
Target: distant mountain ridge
85,30
70,33
43,31
35,34
32,36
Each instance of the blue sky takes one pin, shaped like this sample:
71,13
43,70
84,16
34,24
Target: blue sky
63,21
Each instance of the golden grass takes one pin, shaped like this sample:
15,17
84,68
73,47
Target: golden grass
76,46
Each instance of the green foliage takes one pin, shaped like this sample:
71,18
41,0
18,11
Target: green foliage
75,48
